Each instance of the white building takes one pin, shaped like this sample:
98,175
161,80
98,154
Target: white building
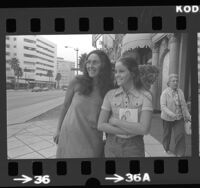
64,68
36,55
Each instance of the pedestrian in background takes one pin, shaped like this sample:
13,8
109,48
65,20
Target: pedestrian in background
77,135
124,138
174,112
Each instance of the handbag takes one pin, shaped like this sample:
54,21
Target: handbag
187,124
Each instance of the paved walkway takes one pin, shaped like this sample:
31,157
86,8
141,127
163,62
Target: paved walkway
34,140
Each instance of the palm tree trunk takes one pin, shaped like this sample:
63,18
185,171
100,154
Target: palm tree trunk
17,83
49,82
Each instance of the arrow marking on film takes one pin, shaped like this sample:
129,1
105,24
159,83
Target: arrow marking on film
116,178
25,179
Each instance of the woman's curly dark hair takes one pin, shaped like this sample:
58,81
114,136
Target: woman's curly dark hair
104,78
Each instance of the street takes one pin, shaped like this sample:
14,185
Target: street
25,105
18,99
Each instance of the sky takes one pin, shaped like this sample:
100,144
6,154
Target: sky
82,42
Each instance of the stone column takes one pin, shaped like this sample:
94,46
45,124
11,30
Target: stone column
154,87
173,53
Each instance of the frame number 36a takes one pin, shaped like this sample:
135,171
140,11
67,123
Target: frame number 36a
42,179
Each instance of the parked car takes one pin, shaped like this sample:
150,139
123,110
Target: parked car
36,89
45,89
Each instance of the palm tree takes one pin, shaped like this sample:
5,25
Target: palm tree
58,78
19,75
82,59
14,62
49,74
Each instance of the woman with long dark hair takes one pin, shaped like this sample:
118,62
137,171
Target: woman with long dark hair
125,137
77,135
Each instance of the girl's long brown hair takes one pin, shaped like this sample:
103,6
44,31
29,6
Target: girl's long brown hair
104,78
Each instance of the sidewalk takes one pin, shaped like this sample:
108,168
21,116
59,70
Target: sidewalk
34,140
157,132
21,115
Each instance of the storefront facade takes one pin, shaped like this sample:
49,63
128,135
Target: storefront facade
167,51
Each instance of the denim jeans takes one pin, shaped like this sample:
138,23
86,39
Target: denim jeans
124,147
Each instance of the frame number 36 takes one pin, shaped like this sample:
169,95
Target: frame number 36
42,179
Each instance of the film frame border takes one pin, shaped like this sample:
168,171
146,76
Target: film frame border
70,23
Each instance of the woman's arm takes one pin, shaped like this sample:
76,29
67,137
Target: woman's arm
103,124
67,102
185,107
140,128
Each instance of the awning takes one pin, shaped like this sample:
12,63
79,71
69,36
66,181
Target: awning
132,41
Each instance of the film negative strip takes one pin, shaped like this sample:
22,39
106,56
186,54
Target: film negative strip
99,96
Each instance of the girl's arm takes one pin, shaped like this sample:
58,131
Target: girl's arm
103,124
140,128
67,102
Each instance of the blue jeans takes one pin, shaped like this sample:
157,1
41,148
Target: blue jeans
124,147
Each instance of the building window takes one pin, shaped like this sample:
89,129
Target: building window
29,48
45,43
29,70
15,54
29,62
7,45
29,41
7,53
15,46
41,74
45,48
7,38
46,65
28,55
45,59
14,38
44,54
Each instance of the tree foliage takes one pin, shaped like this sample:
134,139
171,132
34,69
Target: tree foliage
82,59
15,65
49,74
58,78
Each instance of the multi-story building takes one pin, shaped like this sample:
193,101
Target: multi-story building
46,61
36,56
64,68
